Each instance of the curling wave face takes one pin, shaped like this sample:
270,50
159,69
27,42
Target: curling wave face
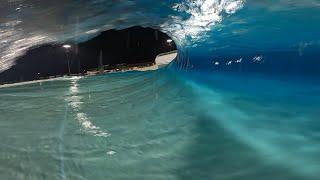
226,26
248,109
28,23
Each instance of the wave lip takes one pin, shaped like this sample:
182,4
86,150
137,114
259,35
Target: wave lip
203,15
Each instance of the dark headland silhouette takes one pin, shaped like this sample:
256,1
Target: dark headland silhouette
135,45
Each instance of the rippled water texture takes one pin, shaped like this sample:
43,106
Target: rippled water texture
158,125
241,101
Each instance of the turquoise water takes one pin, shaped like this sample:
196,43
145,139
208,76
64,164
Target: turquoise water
241,101
160,125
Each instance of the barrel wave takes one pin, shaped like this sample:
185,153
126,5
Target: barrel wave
240,101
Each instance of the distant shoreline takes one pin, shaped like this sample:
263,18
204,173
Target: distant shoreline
161,61
88,73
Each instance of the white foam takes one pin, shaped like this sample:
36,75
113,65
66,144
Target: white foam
203,15
74,101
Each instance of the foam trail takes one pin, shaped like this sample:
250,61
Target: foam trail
74,101
61,147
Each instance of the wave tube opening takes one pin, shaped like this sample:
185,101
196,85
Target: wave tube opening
240,100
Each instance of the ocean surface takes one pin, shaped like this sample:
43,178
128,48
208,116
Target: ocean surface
161,125
241,101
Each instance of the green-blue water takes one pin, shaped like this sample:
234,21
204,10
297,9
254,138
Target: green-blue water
247,109
158,125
